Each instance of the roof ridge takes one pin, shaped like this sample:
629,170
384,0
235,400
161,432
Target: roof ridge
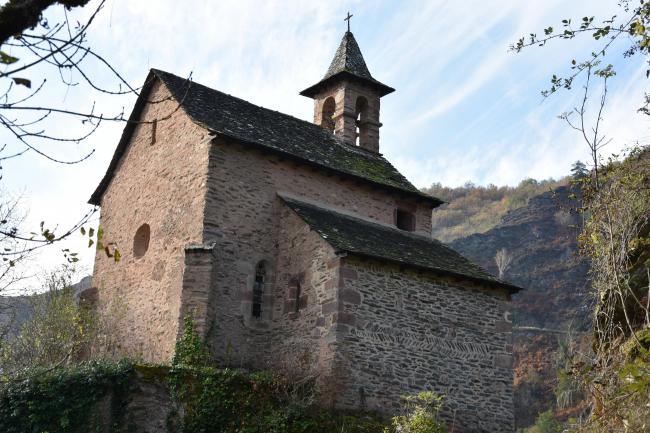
307,123
155,70
311,125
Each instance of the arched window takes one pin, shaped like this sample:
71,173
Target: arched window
258,289
361,110
141,241
327,115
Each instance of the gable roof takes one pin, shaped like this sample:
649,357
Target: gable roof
365,238
348,63
269,130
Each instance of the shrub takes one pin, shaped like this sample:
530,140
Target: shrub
420,415
546,423
57,333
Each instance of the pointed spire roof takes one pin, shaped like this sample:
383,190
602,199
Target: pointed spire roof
348,63
348,58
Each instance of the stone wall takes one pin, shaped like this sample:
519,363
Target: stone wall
244,182
243,220
406,332
303,320
162,184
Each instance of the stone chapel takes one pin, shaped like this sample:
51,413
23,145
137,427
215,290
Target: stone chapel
297,245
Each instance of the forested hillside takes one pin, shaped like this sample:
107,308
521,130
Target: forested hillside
476,209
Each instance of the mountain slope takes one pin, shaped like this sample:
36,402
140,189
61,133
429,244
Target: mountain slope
541,239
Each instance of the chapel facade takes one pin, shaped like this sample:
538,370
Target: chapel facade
297,246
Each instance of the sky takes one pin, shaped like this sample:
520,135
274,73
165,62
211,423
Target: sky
465,107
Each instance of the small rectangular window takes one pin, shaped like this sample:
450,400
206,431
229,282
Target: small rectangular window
297,305
154,126
404,220
258,290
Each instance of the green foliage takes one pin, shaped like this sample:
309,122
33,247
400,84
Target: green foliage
569,388
622,392
421,415
62,400
206,399
6,59
191,350
101,245
476,209
227,400
67,400
546,423
616,238
631,24
56,333
579,170
634,373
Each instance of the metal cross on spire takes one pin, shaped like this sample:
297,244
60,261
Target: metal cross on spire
348,19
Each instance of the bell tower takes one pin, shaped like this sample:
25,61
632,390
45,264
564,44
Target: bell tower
346,100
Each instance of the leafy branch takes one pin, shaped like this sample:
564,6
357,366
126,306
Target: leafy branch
634,23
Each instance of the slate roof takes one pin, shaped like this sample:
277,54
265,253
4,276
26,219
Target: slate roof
269,130
361,237
348,57
348,63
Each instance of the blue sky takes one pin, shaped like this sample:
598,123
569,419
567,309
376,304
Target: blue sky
465,109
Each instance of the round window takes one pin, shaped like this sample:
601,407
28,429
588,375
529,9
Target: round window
141,241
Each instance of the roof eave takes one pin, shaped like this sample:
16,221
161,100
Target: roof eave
312,91
511,288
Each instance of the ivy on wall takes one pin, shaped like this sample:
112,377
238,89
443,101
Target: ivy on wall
227,400
60,401
93,397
